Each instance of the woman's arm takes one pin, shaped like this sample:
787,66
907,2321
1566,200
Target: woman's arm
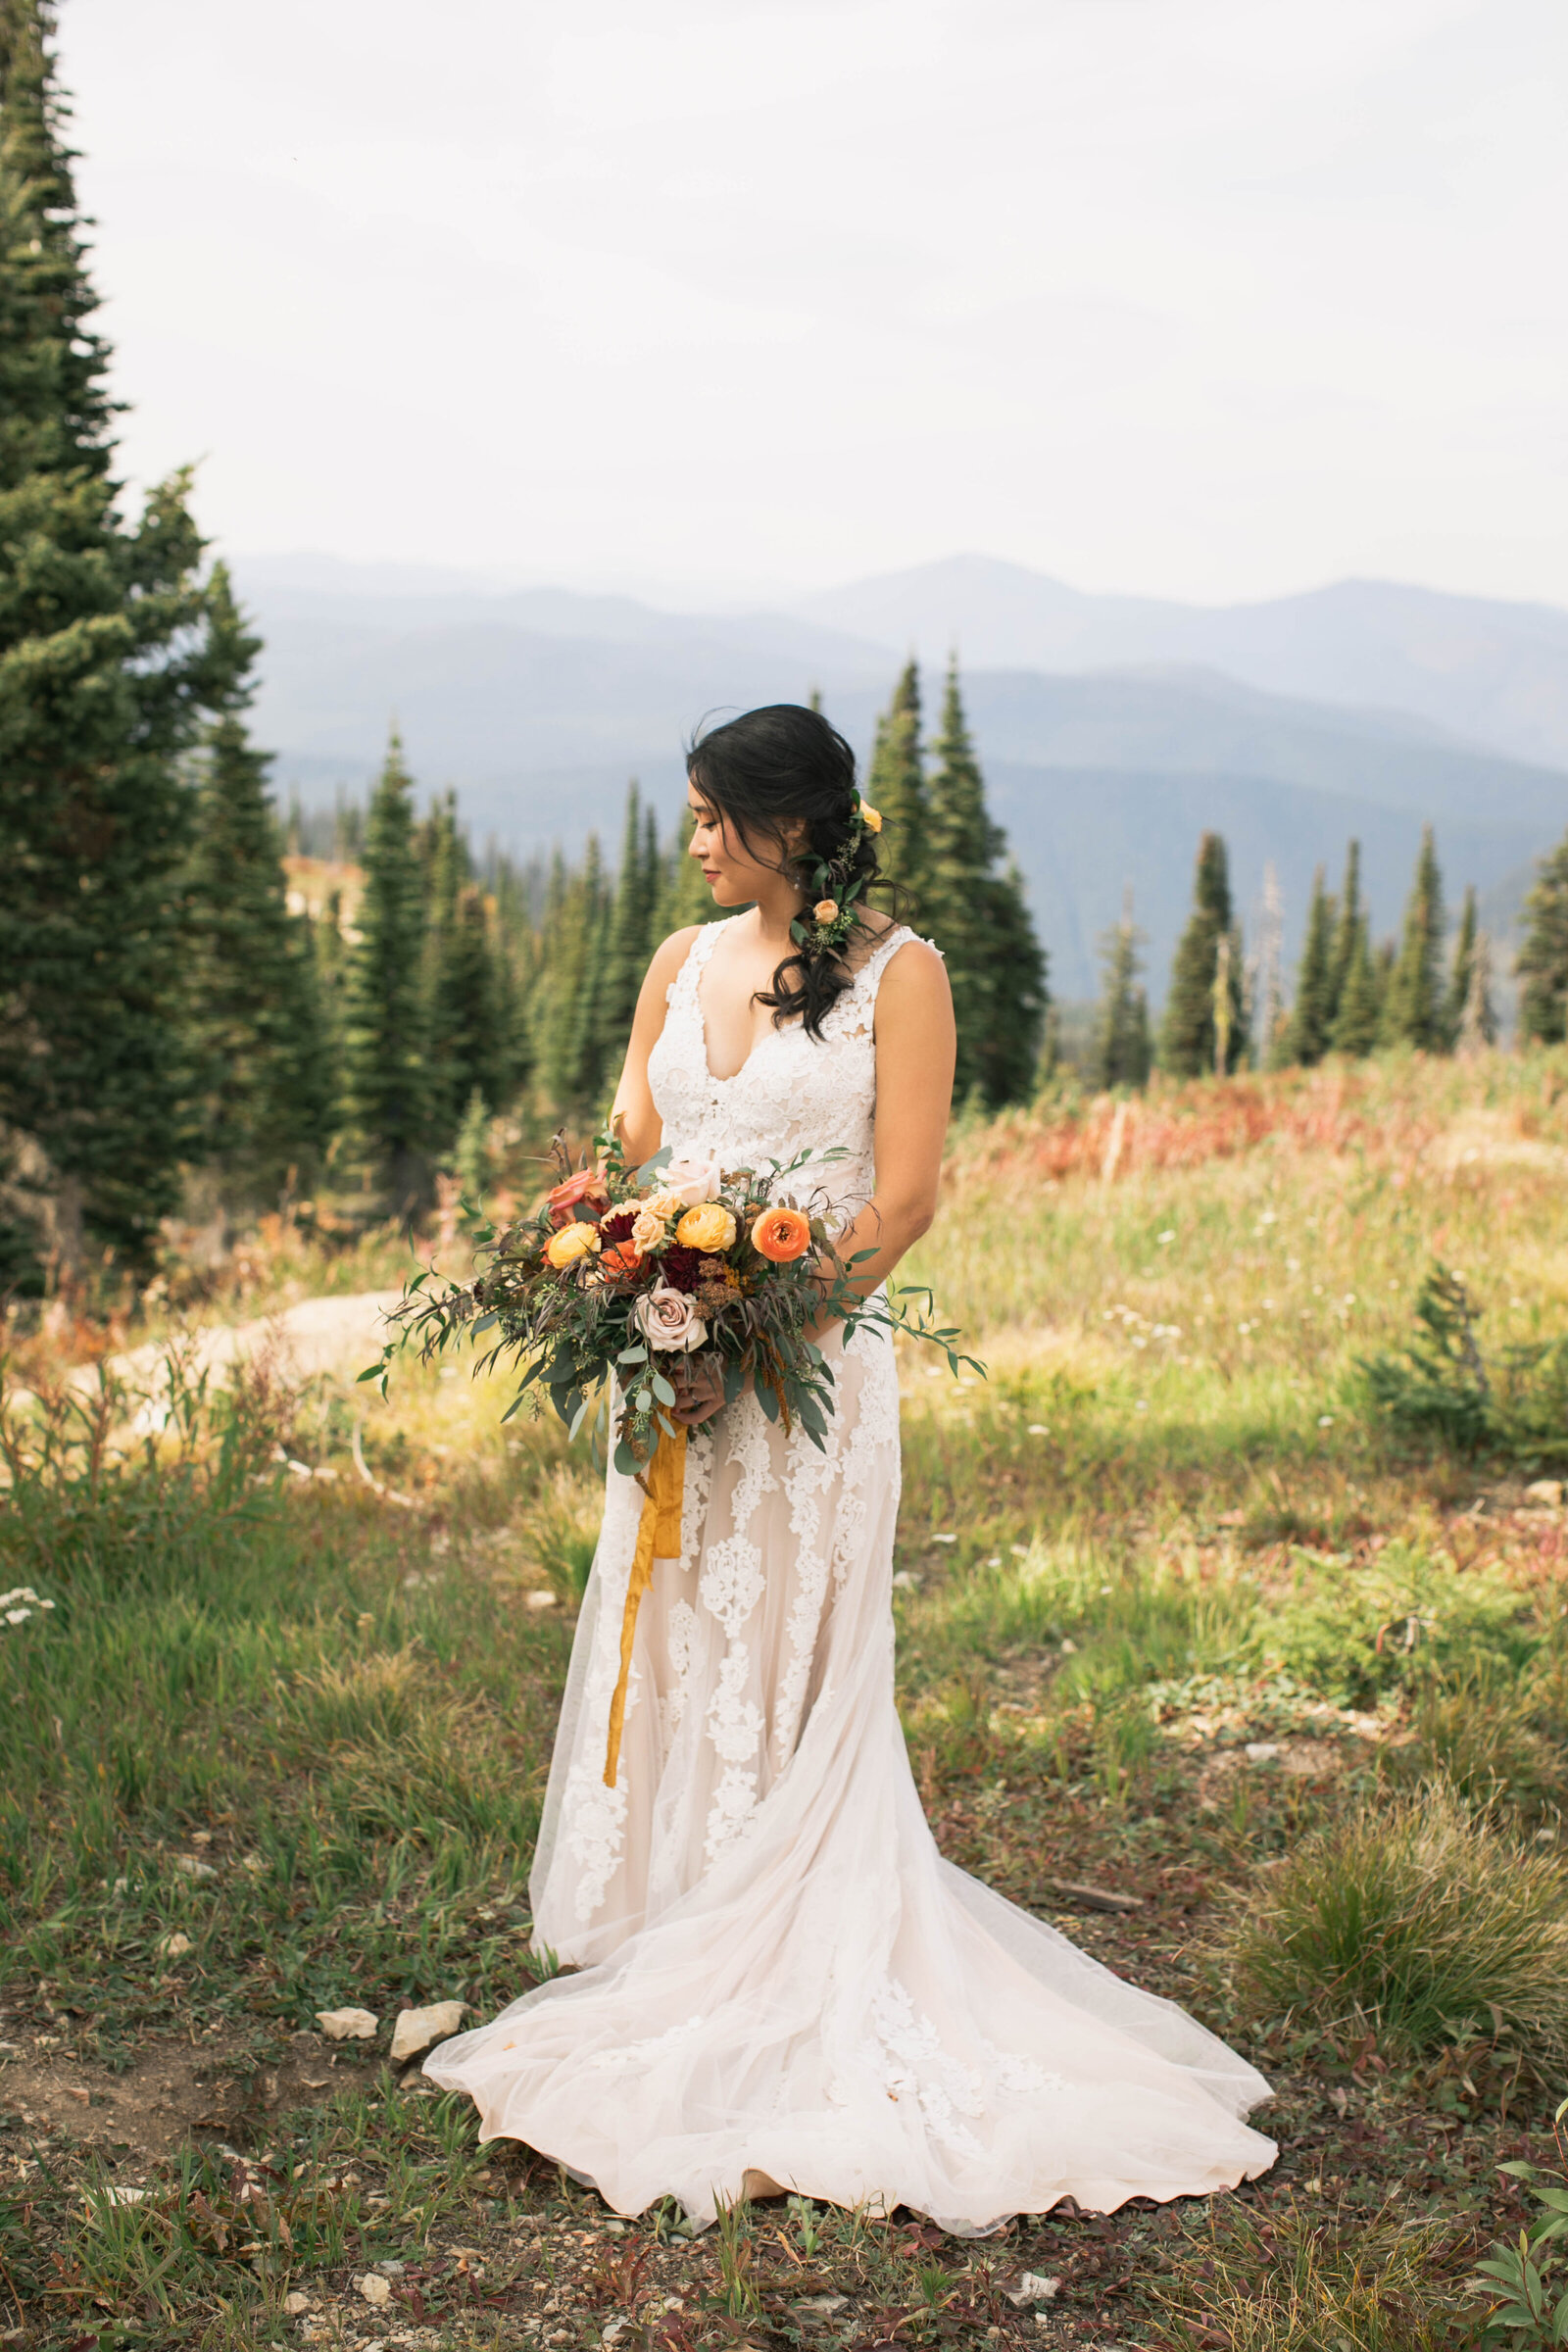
633,1115
916,1048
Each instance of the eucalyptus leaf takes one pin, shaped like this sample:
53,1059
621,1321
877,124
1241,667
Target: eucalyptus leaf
662,1390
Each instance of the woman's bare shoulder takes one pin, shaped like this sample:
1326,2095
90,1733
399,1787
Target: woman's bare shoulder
671,952
915,976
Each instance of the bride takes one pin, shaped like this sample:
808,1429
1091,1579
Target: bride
783,1985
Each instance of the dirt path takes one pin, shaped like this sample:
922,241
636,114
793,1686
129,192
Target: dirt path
319,1335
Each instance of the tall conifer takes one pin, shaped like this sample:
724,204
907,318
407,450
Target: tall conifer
386,1075
1542,960
1462,968
1350,922
1123,1052
260,1071
1413,1009
1359,1016
103,679
896,786
1188,1033
980,921
626,943
1313,1014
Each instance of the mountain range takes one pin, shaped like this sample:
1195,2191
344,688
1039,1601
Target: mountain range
1112,729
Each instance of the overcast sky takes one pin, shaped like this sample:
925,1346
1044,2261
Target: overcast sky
1207,298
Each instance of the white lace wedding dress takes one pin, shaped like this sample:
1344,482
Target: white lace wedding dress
781,1973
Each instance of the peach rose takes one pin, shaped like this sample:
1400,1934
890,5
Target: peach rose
569,1243
710,1227
649,1229
870,817
587,1187
781,1234
692,1181
669,1321
826,911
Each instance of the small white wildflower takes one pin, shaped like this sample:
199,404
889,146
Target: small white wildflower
1038,1429
1165,1240
1141,1406
944,1539
1325,1420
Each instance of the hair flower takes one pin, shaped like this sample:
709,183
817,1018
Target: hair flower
870,817
825,912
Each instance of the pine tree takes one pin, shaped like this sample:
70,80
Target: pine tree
684,897
470,1037
1464,965
1357,1019
1478,1017
1413,1009
896,786
1351,923
386,1076
1543,962
1123,1053
980,921
1312,1015
103,681
627,944
1188,1034
259,1067
563,1003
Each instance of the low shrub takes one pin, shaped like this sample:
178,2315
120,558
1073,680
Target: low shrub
1354,1633
1420,1920
1442,1385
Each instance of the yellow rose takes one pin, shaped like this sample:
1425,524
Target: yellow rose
710,1227
663,1205
649,1230
870,817
573,1242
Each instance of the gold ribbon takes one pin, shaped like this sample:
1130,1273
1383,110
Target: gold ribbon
658,1539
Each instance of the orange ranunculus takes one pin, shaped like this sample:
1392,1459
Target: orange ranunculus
586,1188
709,1226
620,1263
569,1243
826,911
781,1234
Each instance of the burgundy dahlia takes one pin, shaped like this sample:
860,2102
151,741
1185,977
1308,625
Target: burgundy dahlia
616,1225
681,1268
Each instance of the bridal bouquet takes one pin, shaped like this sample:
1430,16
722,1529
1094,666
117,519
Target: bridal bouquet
619,1273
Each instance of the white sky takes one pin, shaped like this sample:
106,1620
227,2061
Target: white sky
1208,298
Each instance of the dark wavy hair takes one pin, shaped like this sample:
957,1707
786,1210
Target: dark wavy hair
760,771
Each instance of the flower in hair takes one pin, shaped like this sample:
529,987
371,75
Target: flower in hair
870,817
826,911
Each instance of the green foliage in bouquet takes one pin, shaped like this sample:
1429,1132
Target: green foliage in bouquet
621,1273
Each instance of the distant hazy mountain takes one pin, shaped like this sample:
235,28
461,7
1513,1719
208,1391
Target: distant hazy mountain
538,704
1493,672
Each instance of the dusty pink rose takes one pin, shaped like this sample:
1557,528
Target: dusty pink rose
669,1321
692,1181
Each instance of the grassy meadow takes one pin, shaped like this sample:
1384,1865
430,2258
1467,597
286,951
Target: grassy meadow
1258,1691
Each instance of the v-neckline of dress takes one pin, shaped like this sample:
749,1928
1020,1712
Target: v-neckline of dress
771,1034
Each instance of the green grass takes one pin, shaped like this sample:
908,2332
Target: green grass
1208,1631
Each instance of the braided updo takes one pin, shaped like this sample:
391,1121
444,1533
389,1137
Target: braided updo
763,770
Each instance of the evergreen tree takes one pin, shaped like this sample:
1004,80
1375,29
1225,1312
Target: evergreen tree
1123,1053
386,1076
1461,969
1413,1009
1313,1014
469,1035
1358,1017
1543,962
1352,921
260,1071
103,680
1478,1017
896,786
684,897
563,1008
627,942
980,921
1188,1034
